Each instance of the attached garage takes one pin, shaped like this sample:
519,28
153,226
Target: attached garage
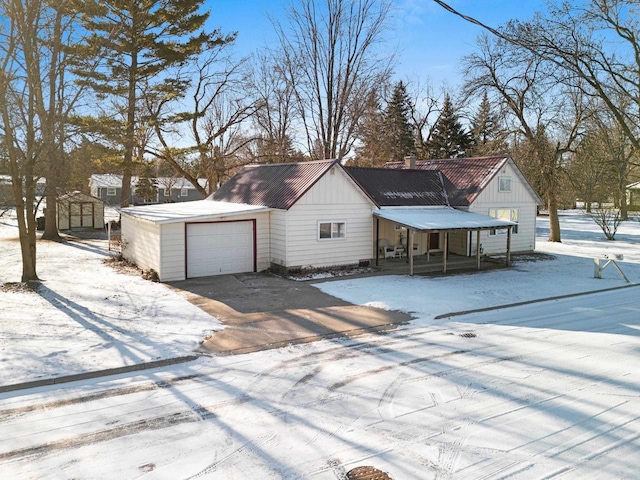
196,239
218,248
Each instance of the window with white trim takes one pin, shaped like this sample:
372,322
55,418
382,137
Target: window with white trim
167,192
111,191
332,230
184,192
504,184
509,214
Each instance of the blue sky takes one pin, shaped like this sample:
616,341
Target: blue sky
430,40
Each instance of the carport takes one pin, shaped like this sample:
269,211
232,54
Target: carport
440,219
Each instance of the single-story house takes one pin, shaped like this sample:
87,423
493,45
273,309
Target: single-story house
108,187
78,210
321,214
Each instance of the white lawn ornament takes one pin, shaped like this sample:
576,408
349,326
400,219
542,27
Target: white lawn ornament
601,263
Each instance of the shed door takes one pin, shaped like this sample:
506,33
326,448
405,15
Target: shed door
80,215
220,248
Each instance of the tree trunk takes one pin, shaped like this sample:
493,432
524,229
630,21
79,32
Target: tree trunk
554,220
50,222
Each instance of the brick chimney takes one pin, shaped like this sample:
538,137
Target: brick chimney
410,162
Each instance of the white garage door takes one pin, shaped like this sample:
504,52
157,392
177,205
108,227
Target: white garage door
219,248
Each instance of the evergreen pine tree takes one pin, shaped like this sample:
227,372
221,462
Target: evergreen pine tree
137,42
487,134
371,150
449,138
399,137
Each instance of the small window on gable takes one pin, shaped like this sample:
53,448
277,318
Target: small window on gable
184,192
111,191
332,230
504,184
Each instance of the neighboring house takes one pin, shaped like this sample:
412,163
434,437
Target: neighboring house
78,210
108,187
321,214
633,196
6,190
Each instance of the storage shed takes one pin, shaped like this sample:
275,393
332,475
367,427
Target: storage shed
78,210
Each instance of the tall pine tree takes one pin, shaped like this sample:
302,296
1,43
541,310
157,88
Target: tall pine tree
138,42
398,131
449,138
488,136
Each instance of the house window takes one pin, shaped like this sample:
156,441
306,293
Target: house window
167,192
504,184
184,192
329,230
509,214
111,191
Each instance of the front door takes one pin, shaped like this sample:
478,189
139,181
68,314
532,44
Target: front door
434,240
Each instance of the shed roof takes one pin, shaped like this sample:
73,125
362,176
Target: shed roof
77,195
278,185
396,188
197,211
464,178
440,218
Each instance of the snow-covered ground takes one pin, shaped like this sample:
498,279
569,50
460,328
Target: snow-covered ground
86,316
572,271
546,390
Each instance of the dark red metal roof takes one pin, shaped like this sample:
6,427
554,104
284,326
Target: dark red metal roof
277,185
400,188
464,178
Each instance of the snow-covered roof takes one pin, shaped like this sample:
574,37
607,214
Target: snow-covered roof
440,218
197,211
103,180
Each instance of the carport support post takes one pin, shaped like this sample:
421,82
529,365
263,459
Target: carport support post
444,252
478,248
509,246
428,243
377,241
410,247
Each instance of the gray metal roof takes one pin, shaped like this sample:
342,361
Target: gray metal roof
397,188
464,178
277,185
442,218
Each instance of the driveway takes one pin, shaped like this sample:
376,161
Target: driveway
263,311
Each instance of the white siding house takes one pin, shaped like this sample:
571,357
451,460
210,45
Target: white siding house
320,214
335,204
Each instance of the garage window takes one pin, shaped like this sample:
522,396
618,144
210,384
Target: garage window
332,230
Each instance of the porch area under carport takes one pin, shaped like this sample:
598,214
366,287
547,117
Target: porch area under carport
428,220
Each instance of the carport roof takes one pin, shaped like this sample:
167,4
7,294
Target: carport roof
197,211
442,218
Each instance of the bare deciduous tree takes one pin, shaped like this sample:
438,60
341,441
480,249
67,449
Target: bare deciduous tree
329,53
542,110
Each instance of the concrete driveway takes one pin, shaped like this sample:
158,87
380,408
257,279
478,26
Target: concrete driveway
262,311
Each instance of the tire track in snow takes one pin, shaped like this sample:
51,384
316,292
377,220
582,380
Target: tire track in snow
236,455
11,413
148,424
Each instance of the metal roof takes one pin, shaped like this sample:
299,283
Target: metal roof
396,188
277,185
464,178
197,211
440,218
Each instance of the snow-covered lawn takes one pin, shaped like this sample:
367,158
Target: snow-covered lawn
87,316
547,390
570,272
